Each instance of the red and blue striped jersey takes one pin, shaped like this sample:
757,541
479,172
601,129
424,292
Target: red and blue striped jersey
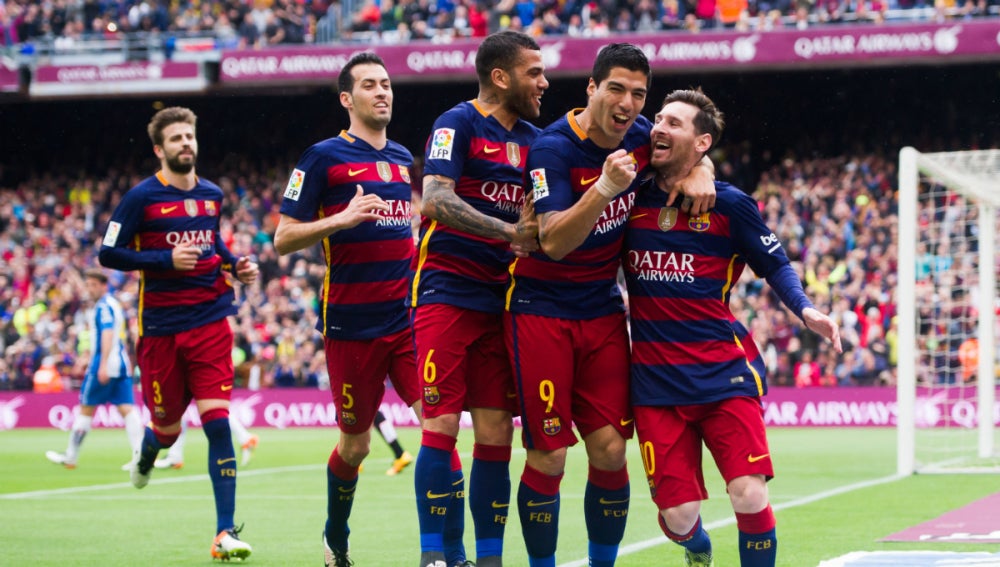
368,266
562,165
687,347
154,217
486,161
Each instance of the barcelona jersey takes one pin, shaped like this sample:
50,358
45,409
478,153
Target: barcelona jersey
687,347
150,221
485,160
368,266
563,164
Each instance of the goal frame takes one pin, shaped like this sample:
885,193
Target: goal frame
911,164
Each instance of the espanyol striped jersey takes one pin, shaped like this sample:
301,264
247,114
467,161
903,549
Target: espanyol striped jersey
486,161
154,217
687,347
562,165
107,314
368,266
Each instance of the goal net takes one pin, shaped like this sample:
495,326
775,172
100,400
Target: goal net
947,308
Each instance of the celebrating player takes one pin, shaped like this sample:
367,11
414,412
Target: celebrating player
472,200
352,194
566,329
696,374
167,227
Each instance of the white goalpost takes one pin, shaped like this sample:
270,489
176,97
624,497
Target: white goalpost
947,304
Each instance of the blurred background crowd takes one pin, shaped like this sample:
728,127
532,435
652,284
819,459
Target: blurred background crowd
69,24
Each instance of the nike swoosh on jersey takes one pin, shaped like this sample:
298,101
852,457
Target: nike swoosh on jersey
753,459
625,422
352,173
533,504
226,387
490,150
432,496
167,210
638,216
224,461
585,181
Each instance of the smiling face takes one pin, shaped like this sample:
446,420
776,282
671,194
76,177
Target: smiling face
527,84
614,105
676,143
370,99
179,150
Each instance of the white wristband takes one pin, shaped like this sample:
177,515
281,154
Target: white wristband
607,188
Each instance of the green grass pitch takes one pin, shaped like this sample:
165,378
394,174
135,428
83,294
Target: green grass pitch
833,494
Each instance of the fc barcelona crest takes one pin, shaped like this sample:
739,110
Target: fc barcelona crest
348,418
191,207
551,426
210,208
431,395
667,218
514,153
404,172
699,223
384,171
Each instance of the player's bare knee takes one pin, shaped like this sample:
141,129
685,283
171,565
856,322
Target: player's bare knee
606,449
681,519
444,424
748,494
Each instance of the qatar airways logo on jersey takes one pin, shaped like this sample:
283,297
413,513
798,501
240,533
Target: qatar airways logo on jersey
661,266
204,239
399,214
615,215
506,197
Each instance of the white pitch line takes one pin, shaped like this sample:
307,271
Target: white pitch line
642,545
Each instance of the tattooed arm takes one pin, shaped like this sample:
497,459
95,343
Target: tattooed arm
441,203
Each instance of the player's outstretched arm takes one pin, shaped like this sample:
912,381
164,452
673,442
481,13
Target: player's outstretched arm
442,204
293,234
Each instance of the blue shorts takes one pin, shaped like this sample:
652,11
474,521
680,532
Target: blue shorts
117,391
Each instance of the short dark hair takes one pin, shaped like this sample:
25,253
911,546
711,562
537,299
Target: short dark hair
709,119
623,55
166,117
96,274
345,81
501,50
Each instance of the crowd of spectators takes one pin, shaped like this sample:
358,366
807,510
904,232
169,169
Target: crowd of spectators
836,217
261,23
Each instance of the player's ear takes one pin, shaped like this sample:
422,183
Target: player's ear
500,78
702,143
346,100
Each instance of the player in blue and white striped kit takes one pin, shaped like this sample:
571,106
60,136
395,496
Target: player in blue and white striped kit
109,373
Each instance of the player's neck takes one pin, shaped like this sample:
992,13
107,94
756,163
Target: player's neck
375,138
182,181
585,120
490,103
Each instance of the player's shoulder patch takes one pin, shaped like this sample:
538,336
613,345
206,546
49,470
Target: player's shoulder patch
111,236
442,142
295,181
539,184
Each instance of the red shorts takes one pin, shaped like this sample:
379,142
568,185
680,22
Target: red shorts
569,373
462,362
194,364
358,370
670,439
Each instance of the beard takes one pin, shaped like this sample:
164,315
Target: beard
175,164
